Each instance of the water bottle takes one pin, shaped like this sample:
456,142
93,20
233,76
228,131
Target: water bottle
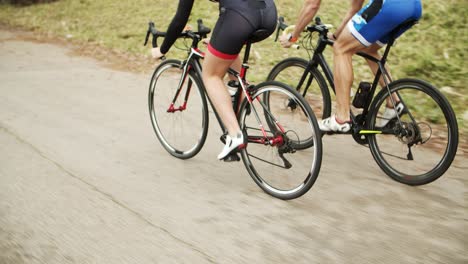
233,89
361,95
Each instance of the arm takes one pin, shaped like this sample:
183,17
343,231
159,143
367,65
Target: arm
306,15
356,5
177,24
308,12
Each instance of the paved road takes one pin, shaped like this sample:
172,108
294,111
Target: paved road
84,180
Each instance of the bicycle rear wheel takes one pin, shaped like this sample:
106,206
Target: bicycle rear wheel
180,126
420,148
311,84
272,159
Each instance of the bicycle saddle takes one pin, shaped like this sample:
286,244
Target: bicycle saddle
402,27
259,35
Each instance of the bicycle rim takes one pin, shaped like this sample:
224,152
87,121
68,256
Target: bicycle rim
282,171
428,144
182,132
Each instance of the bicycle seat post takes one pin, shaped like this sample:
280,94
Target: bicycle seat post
256,36
245,62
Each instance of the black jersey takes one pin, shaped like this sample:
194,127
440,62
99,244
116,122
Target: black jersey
177,24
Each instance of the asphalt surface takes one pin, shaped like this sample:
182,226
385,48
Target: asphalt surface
83,179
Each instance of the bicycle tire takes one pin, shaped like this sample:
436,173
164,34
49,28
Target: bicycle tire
431,124
177,131
290,72
267,164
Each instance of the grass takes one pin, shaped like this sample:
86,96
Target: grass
434,50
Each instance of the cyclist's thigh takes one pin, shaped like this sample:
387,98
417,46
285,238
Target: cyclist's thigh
229,35
237,21
376,20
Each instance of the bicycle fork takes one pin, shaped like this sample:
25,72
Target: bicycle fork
182,81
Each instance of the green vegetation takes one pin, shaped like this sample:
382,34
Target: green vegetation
434,50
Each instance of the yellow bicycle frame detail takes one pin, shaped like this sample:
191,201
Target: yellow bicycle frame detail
370,132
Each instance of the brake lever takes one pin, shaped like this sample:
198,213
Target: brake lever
147,36
318,21
151,30
280,21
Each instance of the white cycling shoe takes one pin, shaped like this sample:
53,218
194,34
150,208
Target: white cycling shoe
331,125
232,143
391,113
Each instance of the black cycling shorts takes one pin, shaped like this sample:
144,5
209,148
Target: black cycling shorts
238,19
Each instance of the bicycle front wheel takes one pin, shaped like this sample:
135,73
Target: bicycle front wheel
179,116
420,147
310,84
272,158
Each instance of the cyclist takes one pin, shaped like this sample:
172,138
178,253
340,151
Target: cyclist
238,19
365,30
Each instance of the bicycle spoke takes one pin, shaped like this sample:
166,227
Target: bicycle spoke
271,163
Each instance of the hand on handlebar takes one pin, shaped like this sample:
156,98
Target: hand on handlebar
156,53
206,41
284,41
331,36
285,38
188,27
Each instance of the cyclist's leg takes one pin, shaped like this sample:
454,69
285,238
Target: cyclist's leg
343,50
373,51
214,69
235,65
374,23
225,45
370,25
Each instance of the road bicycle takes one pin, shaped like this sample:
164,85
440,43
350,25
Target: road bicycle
284,150
414,147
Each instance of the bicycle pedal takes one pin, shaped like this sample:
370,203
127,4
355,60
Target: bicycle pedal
231,157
